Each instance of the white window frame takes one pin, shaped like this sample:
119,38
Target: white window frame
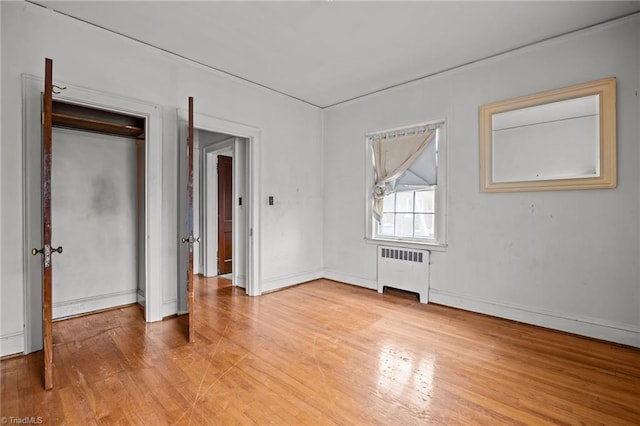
439,241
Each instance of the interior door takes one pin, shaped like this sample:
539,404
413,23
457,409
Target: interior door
47,251
190,240
225,214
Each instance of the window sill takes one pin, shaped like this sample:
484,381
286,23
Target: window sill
431,246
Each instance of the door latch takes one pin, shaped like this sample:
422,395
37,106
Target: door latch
190,240
47,250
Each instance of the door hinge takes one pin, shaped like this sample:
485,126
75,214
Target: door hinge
42,118
251,232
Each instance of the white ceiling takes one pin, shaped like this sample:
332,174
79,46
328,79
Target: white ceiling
327,52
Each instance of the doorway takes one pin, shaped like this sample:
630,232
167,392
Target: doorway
141,216
225,214
97,209
220,206
213,137
225,206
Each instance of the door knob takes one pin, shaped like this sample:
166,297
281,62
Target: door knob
35,251
190,240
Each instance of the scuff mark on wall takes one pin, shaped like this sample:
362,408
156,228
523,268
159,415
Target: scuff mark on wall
104,198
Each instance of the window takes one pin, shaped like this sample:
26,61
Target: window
407,204
408,214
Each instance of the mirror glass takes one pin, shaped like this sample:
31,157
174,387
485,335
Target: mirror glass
558,140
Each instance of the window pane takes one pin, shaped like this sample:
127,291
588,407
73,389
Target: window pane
388,203
404,225
404,202
424,226
425,201
387,225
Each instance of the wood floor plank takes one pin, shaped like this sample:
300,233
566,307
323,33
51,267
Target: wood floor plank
321,353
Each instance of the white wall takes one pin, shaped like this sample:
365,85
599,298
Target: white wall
565,259
88,56
11,331
94,216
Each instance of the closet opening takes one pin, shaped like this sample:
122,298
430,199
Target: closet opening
98,209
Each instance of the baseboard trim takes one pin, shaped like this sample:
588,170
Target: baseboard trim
289,280
241,281
12,343
169,307
626,334
350,279
93,303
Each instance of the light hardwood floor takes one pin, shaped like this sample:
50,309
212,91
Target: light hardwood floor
322,353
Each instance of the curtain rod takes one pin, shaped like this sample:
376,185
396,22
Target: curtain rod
406,130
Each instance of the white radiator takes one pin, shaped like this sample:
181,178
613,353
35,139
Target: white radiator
404,269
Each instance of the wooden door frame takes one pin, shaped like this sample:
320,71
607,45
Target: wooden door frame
253,136
32,234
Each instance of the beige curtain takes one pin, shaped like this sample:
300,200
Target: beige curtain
392,157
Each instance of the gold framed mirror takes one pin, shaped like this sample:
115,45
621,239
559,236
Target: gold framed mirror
560,139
